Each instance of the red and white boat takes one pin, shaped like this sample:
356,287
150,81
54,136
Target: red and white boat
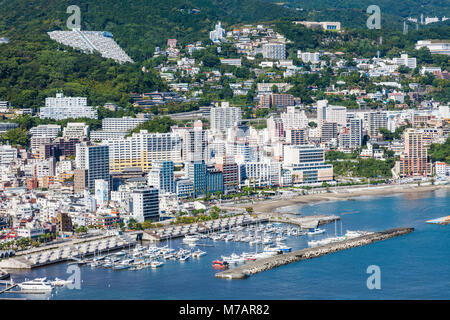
217,264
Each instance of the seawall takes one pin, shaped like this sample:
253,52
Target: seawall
250,268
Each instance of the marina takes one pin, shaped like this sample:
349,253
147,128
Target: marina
336,276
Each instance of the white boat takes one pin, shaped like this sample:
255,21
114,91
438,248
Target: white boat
38,285
183,257
156,264
190,239
316,231
60,282
198,253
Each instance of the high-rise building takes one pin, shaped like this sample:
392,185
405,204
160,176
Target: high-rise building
307,164
275,51
142,149
161,176
313,57
296,136
196,172
294,119
414,158
225,117
145,204
214,180
94,159
329,131
356,133
376,121
195,143
230,173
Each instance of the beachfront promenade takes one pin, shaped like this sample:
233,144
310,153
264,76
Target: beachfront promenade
251,268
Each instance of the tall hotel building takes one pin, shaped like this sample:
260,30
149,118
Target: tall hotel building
142,149
225,117
307,164
376,121
413,161
161,176
195,143
92,163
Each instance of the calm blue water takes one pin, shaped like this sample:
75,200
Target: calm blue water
415,266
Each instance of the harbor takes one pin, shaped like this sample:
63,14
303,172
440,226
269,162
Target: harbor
246,270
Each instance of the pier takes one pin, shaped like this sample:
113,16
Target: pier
172,232
304,222
254,267
67,251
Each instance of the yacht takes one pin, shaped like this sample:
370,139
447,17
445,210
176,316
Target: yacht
156,264
190,239
38,284
315,231
198,253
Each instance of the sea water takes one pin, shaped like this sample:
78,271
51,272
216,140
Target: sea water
414,266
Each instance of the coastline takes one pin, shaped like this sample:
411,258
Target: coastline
272,206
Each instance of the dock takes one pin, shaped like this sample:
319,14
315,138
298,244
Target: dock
68,251
177,231
9,285
304,222
254,267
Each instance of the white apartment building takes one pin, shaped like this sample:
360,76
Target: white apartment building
8,154
405,61
294,119
195,143
121,124
76,130
224,117
435,46
313,57
142,149
61,107
275,51
46,130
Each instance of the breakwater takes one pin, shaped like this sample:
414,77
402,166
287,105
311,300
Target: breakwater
250,268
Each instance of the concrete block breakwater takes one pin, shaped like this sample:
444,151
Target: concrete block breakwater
250,268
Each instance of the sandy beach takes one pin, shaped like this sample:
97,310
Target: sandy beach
271,206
